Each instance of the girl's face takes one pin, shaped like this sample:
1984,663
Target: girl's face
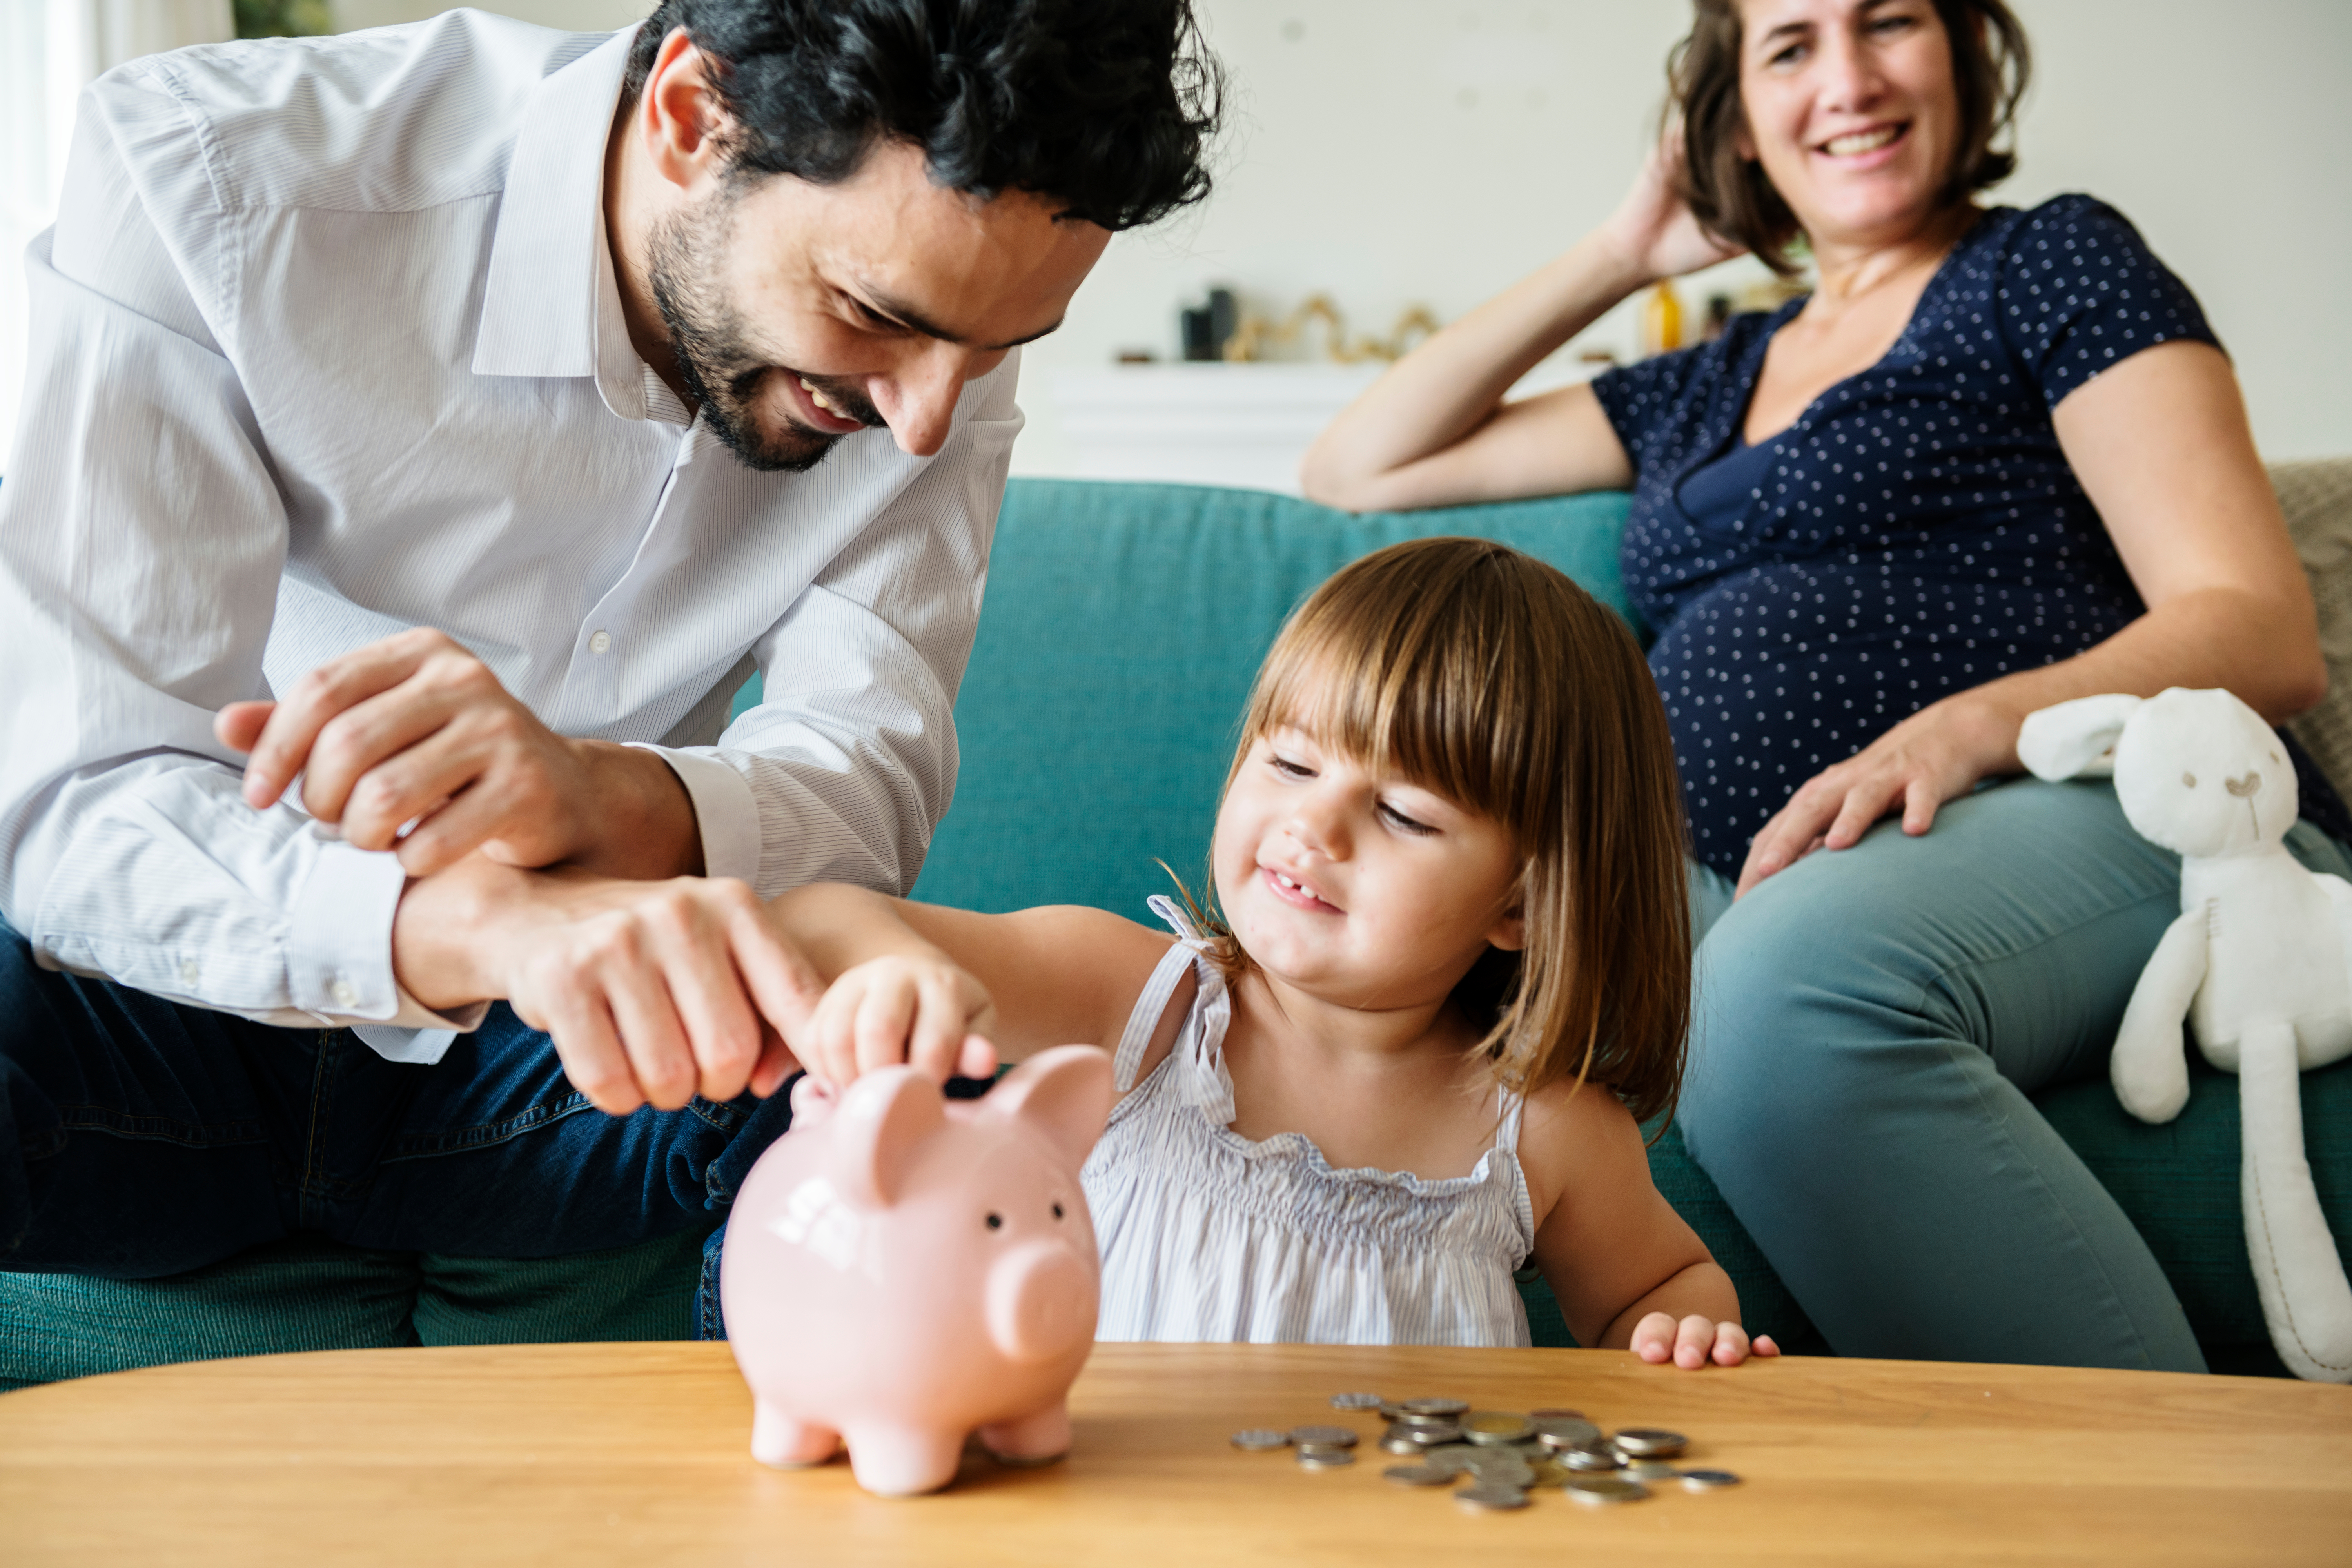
1347,882
1851,109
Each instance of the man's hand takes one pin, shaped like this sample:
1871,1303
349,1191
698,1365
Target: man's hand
655,992
415,728
1938,754
922,1010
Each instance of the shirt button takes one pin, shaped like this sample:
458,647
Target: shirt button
188,969
601,643
345,994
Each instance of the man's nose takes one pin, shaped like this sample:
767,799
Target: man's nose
918,398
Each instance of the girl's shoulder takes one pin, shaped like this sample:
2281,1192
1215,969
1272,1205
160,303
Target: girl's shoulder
1578,1138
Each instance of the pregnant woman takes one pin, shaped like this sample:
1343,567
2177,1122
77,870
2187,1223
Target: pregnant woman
1996,460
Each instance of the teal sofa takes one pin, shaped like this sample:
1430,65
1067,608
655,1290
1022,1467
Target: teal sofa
1121,628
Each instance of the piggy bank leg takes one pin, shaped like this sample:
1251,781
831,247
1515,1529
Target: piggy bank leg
785,1444
1036,1439
898,1461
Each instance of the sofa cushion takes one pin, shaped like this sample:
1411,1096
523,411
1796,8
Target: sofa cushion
2316,499
308,1294
1122,626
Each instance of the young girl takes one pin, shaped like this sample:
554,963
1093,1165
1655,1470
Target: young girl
1451,972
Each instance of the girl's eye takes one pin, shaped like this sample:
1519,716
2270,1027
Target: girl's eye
1399,820
1287,768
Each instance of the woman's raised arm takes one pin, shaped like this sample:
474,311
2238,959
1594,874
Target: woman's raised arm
1434,430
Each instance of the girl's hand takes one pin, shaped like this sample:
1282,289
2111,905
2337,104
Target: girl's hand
1696,1340
1652,231
1938,754
919,1010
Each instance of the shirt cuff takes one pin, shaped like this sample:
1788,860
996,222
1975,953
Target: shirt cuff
724,812
338,947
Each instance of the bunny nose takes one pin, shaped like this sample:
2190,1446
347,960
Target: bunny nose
2251,784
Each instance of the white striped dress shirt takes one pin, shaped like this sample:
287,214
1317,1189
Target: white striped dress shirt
327,344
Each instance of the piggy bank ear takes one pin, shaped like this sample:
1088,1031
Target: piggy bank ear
1064,1095
878,1124
2075,740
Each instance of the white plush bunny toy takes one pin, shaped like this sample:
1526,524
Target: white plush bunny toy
2260,963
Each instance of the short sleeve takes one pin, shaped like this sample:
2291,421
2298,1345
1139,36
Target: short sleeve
1648,403
2081,292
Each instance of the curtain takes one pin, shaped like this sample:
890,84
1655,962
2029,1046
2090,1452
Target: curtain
48,50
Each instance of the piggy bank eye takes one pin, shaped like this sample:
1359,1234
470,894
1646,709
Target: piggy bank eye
2188,779
1057,1211
996,1222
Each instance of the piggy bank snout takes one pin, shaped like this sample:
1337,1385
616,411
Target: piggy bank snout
1041,1301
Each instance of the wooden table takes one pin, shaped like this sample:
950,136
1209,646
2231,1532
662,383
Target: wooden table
636,1453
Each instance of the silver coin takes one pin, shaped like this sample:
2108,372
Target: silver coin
1598,1491
1563,1432
1410,1418
1489,1500
1435,1406
1419,1476
1595,1456
1707,1480
1356,1402
1540,1416
1258,1439
1391,1410
1405,1447
1652,1470
1497,1428
1456,1457
1510,1475
1324,1458
1651,1442
1333,1436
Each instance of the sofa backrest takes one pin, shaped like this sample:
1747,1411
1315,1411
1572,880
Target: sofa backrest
1121,630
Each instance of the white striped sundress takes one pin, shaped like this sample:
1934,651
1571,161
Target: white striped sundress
1207,1236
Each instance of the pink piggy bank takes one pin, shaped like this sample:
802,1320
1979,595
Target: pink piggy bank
901,1270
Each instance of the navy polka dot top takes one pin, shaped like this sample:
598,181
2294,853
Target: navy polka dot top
1915,532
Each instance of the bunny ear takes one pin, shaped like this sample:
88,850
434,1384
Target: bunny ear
878,1124
1064,1094
2077,739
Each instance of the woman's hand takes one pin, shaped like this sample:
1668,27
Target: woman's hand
921,1010
1653,229
1937,754
1696,1340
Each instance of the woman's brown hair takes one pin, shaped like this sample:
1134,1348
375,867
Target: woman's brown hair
1492,679
1730,195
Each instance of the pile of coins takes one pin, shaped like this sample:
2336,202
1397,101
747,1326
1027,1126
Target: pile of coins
1503,1453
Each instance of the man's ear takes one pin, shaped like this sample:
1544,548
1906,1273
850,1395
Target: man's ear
679,114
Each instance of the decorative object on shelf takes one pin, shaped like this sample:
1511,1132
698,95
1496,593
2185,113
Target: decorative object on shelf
1718,316
283,18
1247,345
1661,319
1205,330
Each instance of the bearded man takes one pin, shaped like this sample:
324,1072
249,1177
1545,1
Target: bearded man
442,421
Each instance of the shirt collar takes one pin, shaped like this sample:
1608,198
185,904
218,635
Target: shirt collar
549,262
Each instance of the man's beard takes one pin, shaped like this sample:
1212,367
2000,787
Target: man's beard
721,370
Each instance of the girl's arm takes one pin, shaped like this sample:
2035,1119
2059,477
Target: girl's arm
950,991
1629,1272
1434,430
2162,447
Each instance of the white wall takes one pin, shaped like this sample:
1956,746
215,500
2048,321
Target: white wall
1395,151
1399,150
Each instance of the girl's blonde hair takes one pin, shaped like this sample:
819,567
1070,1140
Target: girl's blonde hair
1489,677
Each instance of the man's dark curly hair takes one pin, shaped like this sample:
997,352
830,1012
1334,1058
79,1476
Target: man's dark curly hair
1103,107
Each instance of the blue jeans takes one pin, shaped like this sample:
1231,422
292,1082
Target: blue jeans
141,1137
1867,1025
